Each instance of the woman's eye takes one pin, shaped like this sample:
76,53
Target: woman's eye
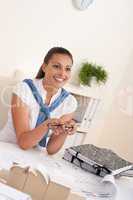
68,69
56,66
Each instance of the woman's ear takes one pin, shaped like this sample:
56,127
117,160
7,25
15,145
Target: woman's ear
43,67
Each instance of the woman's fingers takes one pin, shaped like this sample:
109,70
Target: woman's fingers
70,127
53,123
58,131
55,126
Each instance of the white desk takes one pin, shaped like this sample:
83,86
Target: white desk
60,170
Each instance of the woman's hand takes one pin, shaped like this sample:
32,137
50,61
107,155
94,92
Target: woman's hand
52,122
60,127
54,125
64,125
69,127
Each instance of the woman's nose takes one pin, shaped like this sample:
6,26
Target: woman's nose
63,72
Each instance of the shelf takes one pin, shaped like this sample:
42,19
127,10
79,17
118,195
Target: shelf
94,92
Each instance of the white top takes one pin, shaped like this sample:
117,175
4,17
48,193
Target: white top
22,90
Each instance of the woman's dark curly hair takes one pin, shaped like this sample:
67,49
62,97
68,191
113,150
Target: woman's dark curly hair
51,52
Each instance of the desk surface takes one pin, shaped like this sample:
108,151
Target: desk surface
61,171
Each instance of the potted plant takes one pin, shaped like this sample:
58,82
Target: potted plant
90,72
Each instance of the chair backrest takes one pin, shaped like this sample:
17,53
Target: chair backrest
6,87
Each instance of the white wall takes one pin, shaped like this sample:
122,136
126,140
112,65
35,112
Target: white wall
118,129
103,34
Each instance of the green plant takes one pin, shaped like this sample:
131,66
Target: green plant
89,71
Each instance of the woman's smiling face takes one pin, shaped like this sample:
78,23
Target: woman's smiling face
58,70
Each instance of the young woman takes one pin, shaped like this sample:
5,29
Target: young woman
41,105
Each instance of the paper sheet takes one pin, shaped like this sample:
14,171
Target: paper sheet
9,193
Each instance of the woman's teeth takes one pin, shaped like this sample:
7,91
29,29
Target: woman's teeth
59,79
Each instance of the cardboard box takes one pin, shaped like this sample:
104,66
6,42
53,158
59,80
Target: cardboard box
56,191
4,175
34,183
75,197
17,177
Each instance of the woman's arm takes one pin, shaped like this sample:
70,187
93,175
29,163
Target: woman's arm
26,138
55,143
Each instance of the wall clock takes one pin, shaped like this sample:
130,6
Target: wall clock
82,4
